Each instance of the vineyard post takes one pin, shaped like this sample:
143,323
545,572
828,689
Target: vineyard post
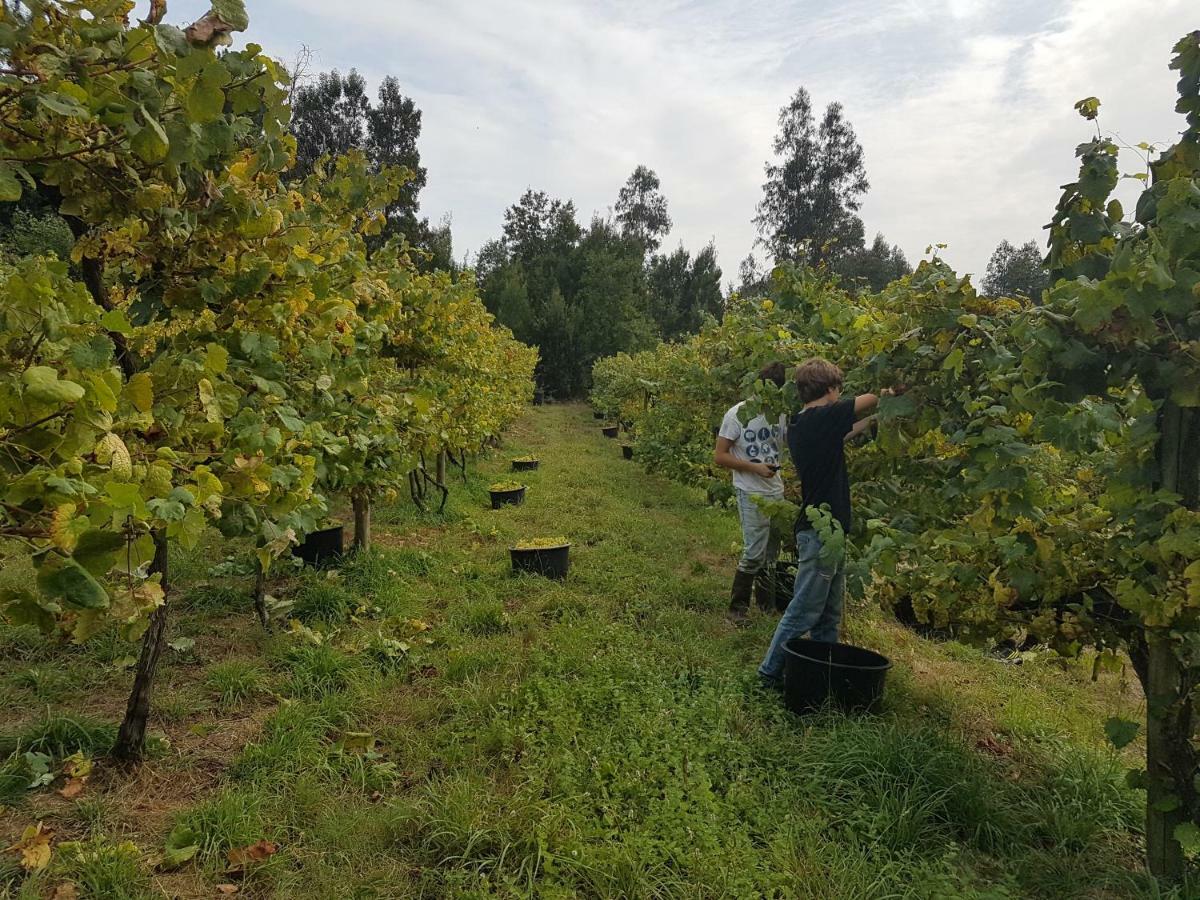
131,738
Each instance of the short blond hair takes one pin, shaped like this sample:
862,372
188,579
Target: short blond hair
817,377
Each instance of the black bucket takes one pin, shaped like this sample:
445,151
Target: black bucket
507,498
551,562
627,451
597,414
816,673
610,431
322,548
524,465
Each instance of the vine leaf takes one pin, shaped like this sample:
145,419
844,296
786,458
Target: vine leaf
73,584
43,384
182,844
1120,732
10,187
1188,835
34,847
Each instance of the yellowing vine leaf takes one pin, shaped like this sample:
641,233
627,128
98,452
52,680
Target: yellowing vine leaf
34,847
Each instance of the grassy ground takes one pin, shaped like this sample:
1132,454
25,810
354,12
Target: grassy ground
602,737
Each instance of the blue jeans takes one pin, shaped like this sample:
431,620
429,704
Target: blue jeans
816,607
759,546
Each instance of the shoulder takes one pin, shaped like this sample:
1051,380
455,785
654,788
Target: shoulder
731,414
731,425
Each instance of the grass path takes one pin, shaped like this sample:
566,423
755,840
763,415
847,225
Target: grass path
601,737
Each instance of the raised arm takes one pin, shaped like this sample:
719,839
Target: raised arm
864,404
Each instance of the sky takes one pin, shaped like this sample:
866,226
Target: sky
964,108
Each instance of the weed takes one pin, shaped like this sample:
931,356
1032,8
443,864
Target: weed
60,736
233,818
101,868
180,705
215,598
234,681
318,670
323,600
481,617
95,812
22,642
296,739
44,682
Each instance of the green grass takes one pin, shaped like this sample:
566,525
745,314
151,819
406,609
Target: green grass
598,737
234,681
324,601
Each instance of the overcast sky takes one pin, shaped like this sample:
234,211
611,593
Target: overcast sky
963,107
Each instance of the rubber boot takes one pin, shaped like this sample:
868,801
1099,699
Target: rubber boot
739,597
764,590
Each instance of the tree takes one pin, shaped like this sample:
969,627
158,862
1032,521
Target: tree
334,116
641,209
873,268
752,280
814,189
1016,272
683,291
393,127
329,118
611,298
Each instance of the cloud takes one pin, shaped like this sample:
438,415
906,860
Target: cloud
964,107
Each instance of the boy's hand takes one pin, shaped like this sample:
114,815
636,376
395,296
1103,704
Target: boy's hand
763,469
898,391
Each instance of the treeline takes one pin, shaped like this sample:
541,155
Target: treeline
583,293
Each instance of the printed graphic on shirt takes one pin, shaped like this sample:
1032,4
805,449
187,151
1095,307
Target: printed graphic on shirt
763,445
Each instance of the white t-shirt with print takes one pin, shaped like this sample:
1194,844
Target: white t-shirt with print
757,441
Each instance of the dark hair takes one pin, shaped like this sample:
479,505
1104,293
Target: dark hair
817,377
775,372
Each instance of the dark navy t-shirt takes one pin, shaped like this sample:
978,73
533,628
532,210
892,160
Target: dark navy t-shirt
816,440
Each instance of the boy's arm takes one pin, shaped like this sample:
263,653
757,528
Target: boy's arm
860,427
726,460
864,404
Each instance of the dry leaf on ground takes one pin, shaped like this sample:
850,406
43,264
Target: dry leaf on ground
239,856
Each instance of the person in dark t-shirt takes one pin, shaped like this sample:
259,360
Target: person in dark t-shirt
816,438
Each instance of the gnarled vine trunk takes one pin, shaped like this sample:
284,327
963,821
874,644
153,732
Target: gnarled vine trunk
1171,757
362,521
131,738
260,595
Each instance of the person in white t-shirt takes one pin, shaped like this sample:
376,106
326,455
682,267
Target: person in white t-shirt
753,450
